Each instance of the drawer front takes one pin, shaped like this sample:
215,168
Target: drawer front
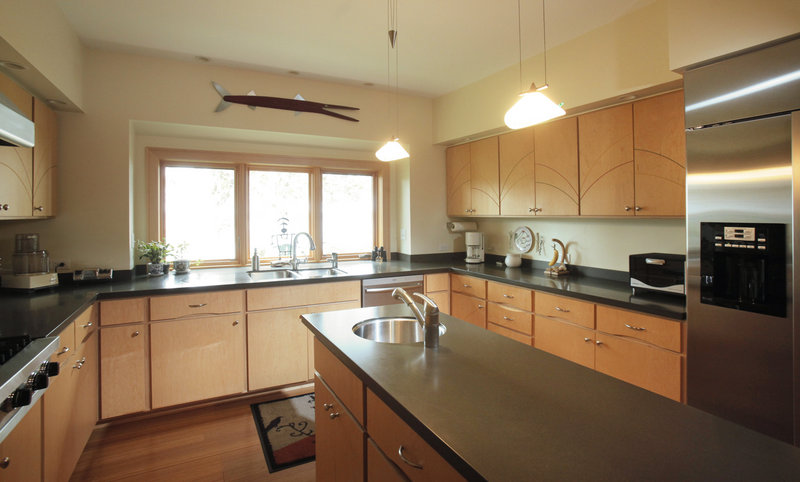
472,310
339,439
66,348
566,340
658,331
124,375
521,321
640,364
569,309
117,312
381,468
303,295
345,385
468,285
393,436
514,335
209,303
515,296
86,323
437,282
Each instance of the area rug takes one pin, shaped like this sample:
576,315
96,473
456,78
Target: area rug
286,430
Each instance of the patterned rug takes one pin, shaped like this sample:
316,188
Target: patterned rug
286,430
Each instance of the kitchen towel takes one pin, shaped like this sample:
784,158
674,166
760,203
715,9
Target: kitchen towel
462,227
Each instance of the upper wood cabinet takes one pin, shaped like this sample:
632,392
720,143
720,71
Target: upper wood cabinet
659,153
605,149
556,172
45,160
517,176
16,163
472,179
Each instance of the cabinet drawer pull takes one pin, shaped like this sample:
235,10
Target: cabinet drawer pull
199,305
467,286
135,334
236,322
5,463
563,310
635,328
404,459
39,208
508,319
587,339
480,307
88,325
327,406
511,297
599,342
64,350
334,415
627,208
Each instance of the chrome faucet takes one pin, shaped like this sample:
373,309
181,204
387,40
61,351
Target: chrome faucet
334,260
294,262
428,317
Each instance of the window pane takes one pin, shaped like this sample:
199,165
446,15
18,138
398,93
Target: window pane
276,198
348,213
199,210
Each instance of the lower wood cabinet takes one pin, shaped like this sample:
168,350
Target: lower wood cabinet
339,438
566,340
437,288
21,451
379,467
197,359
124,379
468,308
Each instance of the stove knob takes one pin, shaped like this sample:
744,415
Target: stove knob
22,396
51,369
39,381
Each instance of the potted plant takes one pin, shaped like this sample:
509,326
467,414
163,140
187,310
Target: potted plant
156,252
181,263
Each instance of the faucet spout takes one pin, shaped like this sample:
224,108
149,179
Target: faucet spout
294,262
428,317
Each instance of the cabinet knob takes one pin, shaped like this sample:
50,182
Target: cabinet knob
135,334
88,325
405,460
4,207
327,406
5,463
236,322
39,208
531,210
598,342
587,339
334,415
627,208
480,307
537,210
637,208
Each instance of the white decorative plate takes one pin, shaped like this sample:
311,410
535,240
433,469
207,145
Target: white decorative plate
523,239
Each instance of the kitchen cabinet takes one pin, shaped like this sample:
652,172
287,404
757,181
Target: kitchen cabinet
128,310
339,438
207,303
566,340
196,359
21,451
437,288
468,299
45,160
565,309
509,311
380,468
659,154
124,370
70,404
556,168
16,163
473,179
517,173
605,149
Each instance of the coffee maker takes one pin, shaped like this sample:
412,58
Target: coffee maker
474,241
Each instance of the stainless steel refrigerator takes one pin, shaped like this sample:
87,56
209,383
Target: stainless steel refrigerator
743,153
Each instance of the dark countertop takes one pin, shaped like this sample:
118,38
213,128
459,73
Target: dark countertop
528,415
45,313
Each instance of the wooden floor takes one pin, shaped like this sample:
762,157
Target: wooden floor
213,443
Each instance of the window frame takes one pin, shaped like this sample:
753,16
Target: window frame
243,163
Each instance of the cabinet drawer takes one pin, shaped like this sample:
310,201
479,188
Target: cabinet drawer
340,379
472,310
468,285
640,364
658,331
514,319
381,468
515,296
569,309
303,295
393,435
209,303
514,335
437,282
66,348
566,340
117,312
86,323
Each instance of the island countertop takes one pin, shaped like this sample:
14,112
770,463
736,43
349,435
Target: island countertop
500,410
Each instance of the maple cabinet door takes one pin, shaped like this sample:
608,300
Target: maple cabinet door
458,181
517,181
556,153
484,177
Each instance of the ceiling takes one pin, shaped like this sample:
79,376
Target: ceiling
442,44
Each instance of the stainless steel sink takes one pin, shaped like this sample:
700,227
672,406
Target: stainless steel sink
392,330
320,272
277,274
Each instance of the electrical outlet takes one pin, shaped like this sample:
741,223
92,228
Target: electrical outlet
402,234
63,265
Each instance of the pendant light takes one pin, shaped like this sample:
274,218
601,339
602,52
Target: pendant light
533,107
392,150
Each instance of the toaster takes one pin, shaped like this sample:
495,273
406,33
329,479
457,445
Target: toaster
660,272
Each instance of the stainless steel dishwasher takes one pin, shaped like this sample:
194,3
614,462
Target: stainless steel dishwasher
378,291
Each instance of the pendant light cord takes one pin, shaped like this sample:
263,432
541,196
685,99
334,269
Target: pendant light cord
519,39
392,45
544,42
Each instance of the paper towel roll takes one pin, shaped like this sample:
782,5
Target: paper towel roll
462,227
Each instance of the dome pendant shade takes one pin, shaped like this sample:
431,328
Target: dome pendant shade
391,151
532,108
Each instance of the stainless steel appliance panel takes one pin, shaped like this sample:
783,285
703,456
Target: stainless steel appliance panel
378,291
739,363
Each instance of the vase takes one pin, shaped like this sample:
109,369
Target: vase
155,269
181,266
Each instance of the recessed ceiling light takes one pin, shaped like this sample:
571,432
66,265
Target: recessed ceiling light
11,65
201,58
627,97
294,72
56,102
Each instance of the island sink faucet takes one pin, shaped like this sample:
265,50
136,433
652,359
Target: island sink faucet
294,262
428,317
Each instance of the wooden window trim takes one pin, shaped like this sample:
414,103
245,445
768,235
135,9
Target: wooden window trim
243,163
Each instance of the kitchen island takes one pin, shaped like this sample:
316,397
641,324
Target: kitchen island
495,409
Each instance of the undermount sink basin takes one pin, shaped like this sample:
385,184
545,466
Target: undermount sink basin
277,274
392,330
320,272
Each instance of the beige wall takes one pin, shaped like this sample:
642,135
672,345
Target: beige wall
699,31
627,55
130,98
